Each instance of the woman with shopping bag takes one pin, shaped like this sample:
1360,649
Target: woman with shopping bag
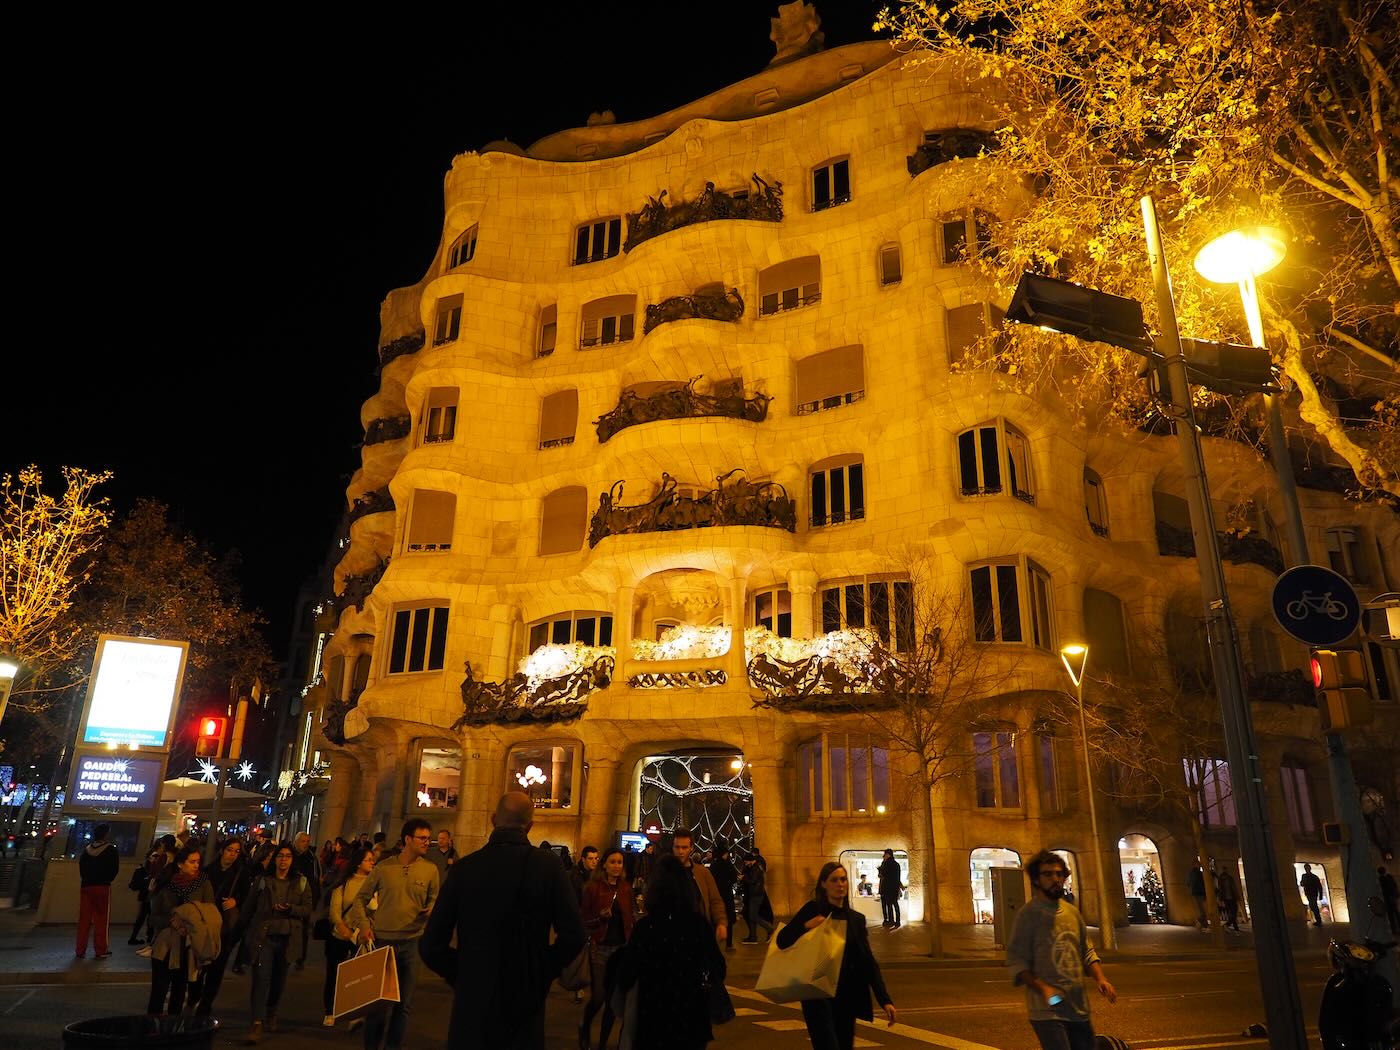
340,939
831,1020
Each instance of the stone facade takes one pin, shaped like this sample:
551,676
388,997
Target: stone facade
480,532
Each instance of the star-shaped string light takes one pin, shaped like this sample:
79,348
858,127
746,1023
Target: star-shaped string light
208,771
245,771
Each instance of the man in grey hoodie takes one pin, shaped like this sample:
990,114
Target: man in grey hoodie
407,886
1050,953
97,867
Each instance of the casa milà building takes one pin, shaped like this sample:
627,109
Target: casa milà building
675,393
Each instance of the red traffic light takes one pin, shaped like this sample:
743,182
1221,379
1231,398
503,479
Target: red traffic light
1317,672
209,741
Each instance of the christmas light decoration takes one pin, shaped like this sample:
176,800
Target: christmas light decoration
558,661
208,771
684,642
245,771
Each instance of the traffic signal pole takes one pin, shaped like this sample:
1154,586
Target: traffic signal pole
235,749
1273,953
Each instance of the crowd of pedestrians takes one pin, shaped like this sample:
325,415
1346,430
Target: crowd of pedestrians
647,931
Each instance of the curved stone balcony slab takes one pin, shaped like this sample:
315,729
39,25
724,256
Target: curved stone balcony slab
763,204
702,306
405,344
701,673
735,501
679,403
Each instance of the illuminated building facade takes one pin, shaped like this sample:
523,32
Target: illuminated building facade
617,429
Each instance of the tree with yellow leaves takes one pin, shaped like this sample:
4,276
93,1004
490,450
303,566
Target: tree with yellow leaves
1265,111
47,545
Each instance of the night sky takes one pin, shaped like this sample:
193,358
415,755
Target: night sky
208,229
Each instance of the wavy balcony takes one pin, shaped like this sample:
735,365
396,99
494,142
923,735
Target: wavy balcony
531,698
939,147
406,344
764,203
704,306
735,501
1176,542
386,429
679,402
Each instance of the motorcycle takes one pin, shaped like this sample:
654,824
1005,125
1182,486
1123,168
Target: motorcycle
1358,1011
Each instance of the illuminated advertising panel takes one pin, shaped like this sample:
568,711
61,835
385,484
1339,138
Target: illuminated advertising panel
131,698
106,782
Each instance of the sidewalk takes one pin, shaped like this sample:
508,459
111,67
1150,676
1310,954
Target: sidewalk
32,954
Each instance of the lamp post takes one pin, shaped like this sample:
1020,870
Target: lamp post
9,670
1238,257
1273,953
1076,658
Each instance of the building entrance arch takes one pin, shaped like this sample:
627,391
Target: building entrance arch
1143,885
707,790
983,860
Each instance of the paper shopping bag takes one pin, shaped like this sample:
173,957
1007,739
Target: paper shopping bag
807,970
364,981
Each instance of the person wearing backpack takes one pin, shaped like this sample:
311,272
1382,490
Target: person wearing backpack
501,902
280,903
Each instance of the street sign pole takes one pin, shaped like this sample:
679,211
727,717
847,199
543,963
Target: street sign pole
1273,953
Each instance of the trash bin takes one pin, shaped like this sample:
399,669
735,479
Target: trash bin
141,1030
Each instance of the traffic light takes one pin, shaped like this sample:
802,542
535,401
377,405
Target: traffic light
209,741
1343,695
1226,368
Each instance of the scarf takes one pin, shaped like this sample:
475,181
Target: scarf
185,886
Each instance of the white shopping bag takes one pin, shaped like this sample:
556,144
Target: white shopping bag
807,970
365,981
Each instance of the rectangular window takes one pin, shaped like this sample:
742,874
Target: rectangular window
1042,621
773,610
463,249
439,777
838,494
419,639
965,230
812,798
994,770
607,321
1095,503
549,328
1209,782
585,628
887,606
979,461
788,285
1018,465
440,415
831,184
891,266
1297,799
544,772
1344,554
842,775
996,603
448,321
597,240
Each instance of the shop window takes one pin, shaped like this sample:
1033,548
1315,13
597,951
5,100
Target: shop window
440,415
891,264
1344,553
607,321
439,776
1106,632
1297,798
831,184
966,236
967,324
430,519
585,628
418,640
1052,799
789,285
1095,503
545,772
447,322
549,330
597,240
843,774
886,606
463,249
563,520
558,418
838,490
994,454
998,784
773,609
1208,780
829,379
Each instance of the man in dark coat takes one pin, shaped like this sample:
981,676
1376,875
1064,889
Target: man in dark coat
726,875
503,964
891,886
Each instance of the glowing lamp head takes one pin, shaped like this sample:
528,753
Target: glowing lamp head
8,669
1075,657
1240,254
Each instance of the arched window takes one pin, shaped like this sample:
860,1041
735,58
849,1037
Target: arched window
772,609
829,379
607,320
992,456
439,418
463,249
788,285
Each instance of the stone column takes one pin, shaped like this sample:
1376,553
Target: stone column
802,586
498,663
602,807
735,662
483,782
344,776
622,625
770,829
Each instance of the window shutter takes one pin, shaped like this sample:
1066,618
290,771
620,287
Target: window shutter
563,519
430,519
558,416
549,322
830,374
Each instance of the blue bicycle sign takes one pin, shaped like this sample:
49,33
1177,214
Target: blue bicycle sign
1316,605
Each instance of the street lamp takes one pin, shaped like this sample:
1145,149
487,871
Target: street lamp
1076,658
9,669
